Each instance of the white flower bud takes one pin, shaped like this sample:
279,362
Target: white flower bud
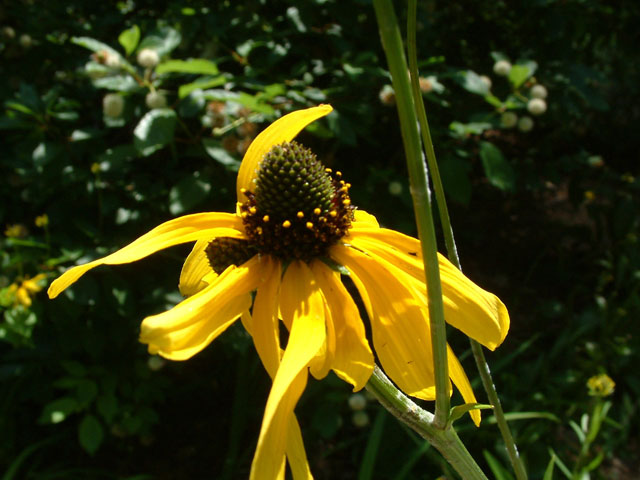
25,40
111,60
525,124
537,106
395,188
509,119
112,105
487,81
155,100
502,68
387,96
8,32
360,419
539,91
357,401
148,58
155,363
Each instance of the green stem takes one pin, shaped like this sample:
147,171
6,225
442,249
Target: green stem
421,421
392,44
450,243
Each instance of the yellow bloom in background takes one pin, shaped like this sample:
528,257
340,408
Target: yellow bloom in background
26,289
42,220
293,232
601,385
16,231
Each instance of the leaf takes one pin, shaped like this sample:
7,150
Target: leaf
455,179
294,15
96,46
117,83
459,410
58,410
199,84
472,82
90,434
520,72
496,168
193,65
548,473
129,39
498,470
107,406
219,154
188,193
163,40
155,130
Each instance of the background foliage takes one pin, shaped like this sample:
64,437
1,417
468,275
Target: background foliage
106,148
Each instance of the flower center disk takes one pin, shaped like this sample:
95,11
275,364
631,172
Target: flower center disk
299,208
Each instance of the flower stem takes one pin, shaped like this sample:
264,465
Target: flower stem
393,48
421,421
478,354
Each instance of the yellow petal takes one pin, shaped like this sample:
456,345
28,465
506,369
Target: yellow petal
353,360
364,220
460,380
188,228
478,313
22,294
282,130
263,327
300,299
399,324
191,325
322,362
195,268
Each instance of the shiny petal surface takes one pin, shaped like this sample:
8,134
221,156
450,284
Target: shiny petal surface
190,326
195,268
353,359
301,299
363,219
400,328
263,326
282,130
188,228
476,312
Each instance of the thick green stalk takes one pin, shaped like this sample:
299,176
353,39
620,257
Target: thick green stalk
478,354
392,44
421,421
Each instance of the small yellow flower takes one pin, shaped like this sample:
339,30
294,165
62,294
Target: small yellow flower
26,289
16,231
42,220
601,385
280,257
589,195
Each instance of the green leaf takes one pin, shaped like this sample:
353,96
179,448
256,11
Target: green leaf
193,65
117,83
107,406
459,410
472,82
163,40
200,84
520,72
496,168
188,193
90,434
461,130
548,473
129,39
96,46
155,130
455,179
219,154
498,470
58,410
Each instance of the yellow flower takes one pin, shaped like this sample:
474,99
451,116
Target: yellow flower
16,231
26,289
601,385
293,231
42,220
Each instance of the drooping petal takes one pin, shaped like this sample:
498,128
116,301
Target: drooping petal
195,268
263,327
190,326
479,314
460,380
188,228
301,299
322,362
399,324
353,360
282,130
